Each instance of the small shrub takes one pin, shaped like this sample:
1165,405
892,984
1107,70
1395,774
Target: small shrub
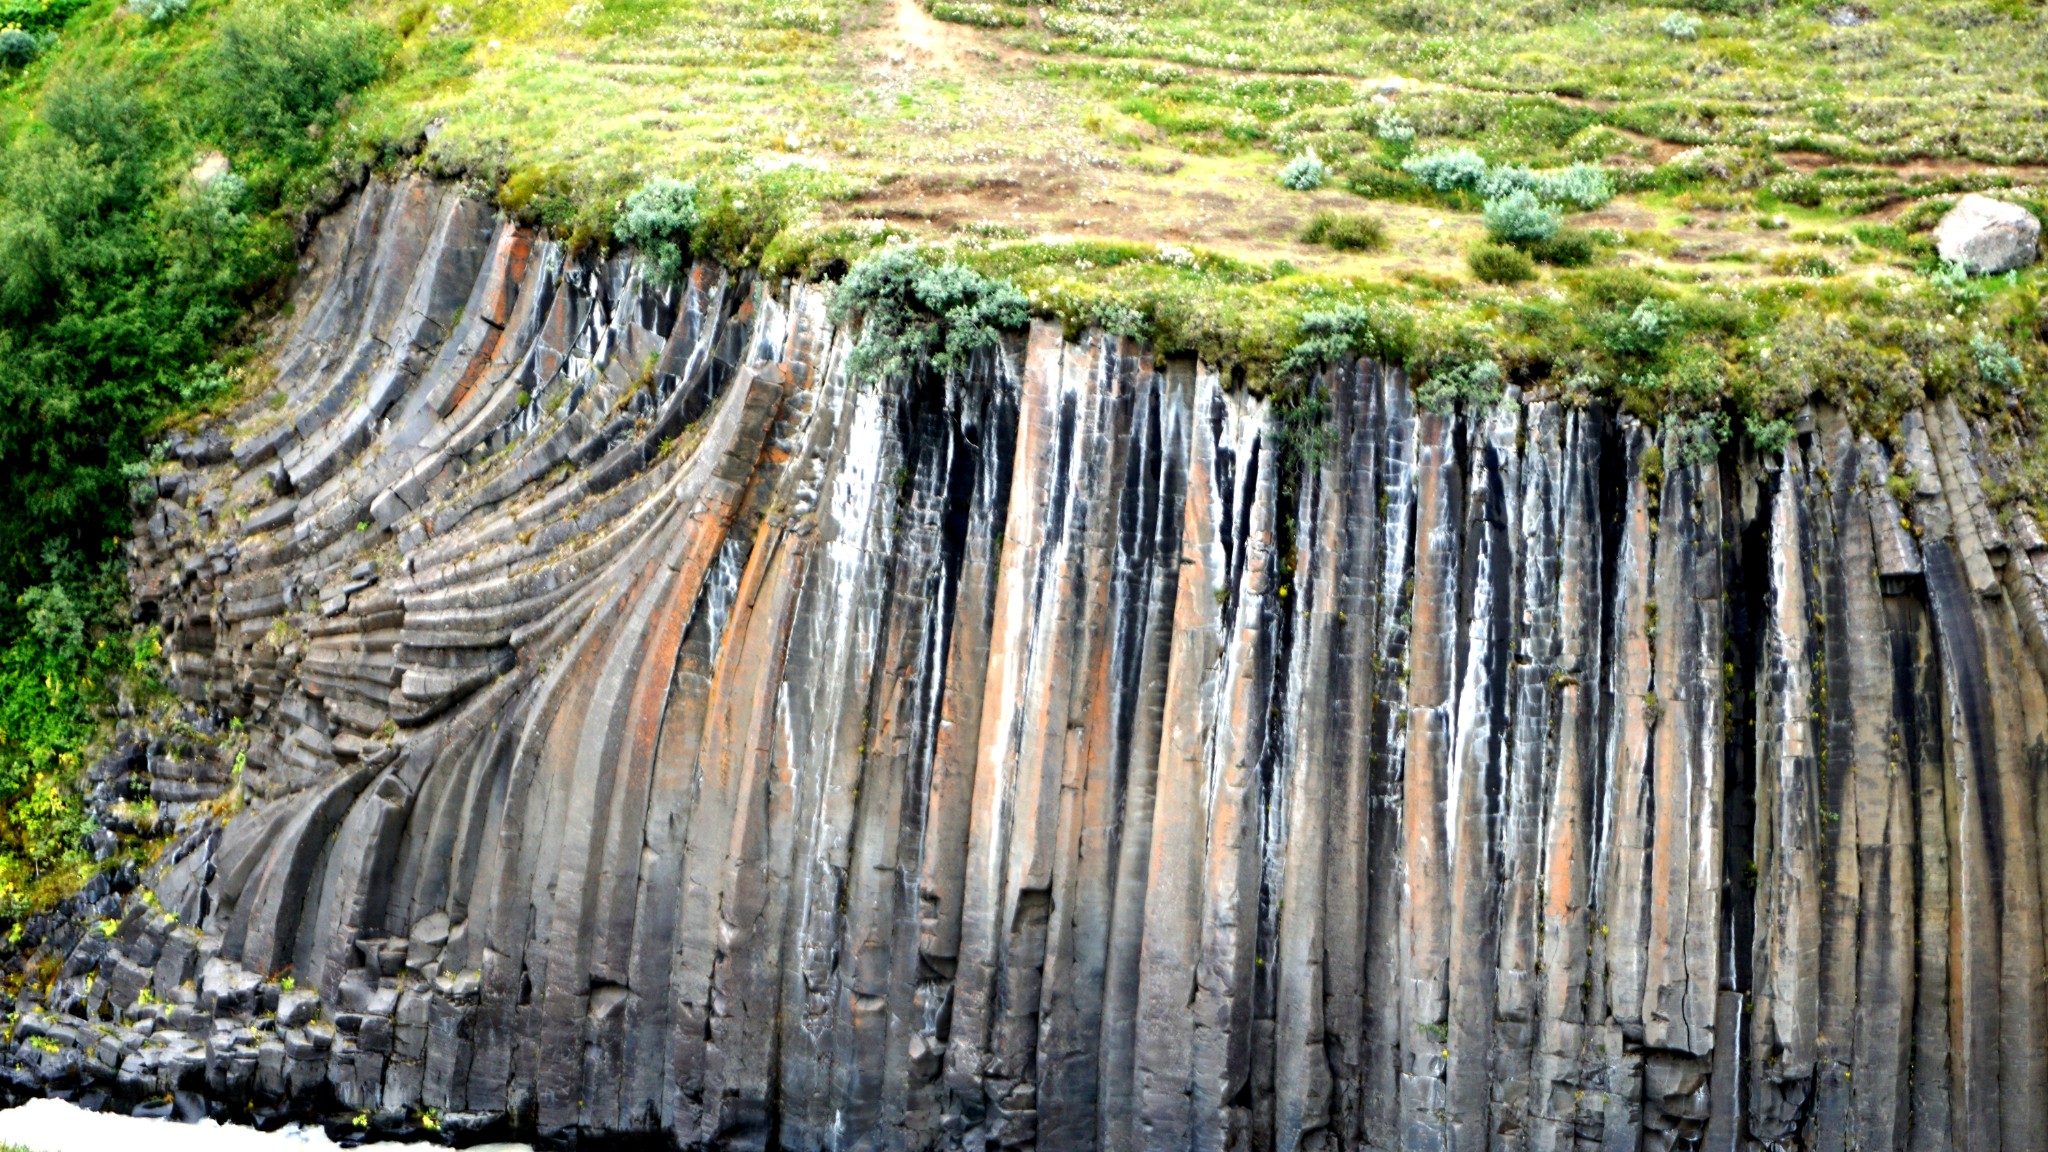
1996,362
1396,135
1301,423
1346,231
1697,439
1519,218
1505,180
1798,188
1644,330
1680,26
1889,237
1567,248
1376,182
18,49
38,16
1499,263
658,218
1811,265
1475,385
917,317
159,11
737,222
1584,186
1454,170
1305,173
1770,436
1377,331
1597,141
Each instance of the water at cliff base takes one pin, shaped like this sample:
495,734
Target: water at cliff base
60,1126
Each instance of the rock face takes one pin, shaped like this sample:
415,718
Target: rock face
655,730
1988,236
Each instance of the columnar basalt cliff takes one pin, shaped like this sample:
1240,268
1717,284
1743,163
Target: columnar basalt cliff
655,730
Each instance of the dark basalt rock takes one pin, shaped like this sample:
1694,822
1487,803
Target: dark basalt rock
654,731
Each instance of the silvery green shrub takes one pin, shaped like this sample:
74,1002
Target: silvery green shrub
1305,173
1581,186
1520,218
1447,170
159,11
1505,179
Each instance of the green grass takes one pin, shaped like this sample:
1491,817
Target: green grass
1764,75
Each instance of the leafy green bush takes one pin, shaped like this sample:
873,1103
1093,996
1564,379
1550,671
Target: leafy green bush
918,317
1396,134
658,219
274,80
1346,231
1566,248
738,222
58,670
37,15
1499,263
1643,330
1770,437
121,270
1697,438
1580,185
1300,422
1519,218
1375,181
1376,331
1505,180
1475,385
18,49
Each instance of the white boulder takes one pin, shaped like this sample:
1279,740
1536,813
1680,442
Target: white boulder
1988,236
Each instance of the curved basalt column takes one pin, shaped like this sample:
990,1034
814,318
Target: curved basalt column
654,729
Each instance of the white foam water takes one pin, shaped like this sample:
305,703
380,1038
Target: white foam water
60,1126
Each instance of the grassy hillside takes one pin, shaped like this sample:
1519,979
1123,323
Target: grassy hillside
1706,212
1773,169
151,163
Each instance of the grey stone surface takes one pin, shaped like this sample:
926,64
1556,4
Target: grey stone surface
1988,236
653,730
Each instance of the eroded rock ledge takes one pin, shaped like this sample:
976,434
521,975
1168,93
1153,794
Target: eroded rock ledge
654,730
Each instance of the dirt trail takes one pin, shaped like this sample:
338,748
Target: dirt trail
908,35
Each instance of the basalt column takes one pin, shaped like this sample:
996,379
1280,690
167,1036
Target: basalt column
652,727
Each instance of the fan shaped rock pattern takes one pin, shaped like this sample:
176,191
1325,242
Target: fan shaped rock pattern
654,729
